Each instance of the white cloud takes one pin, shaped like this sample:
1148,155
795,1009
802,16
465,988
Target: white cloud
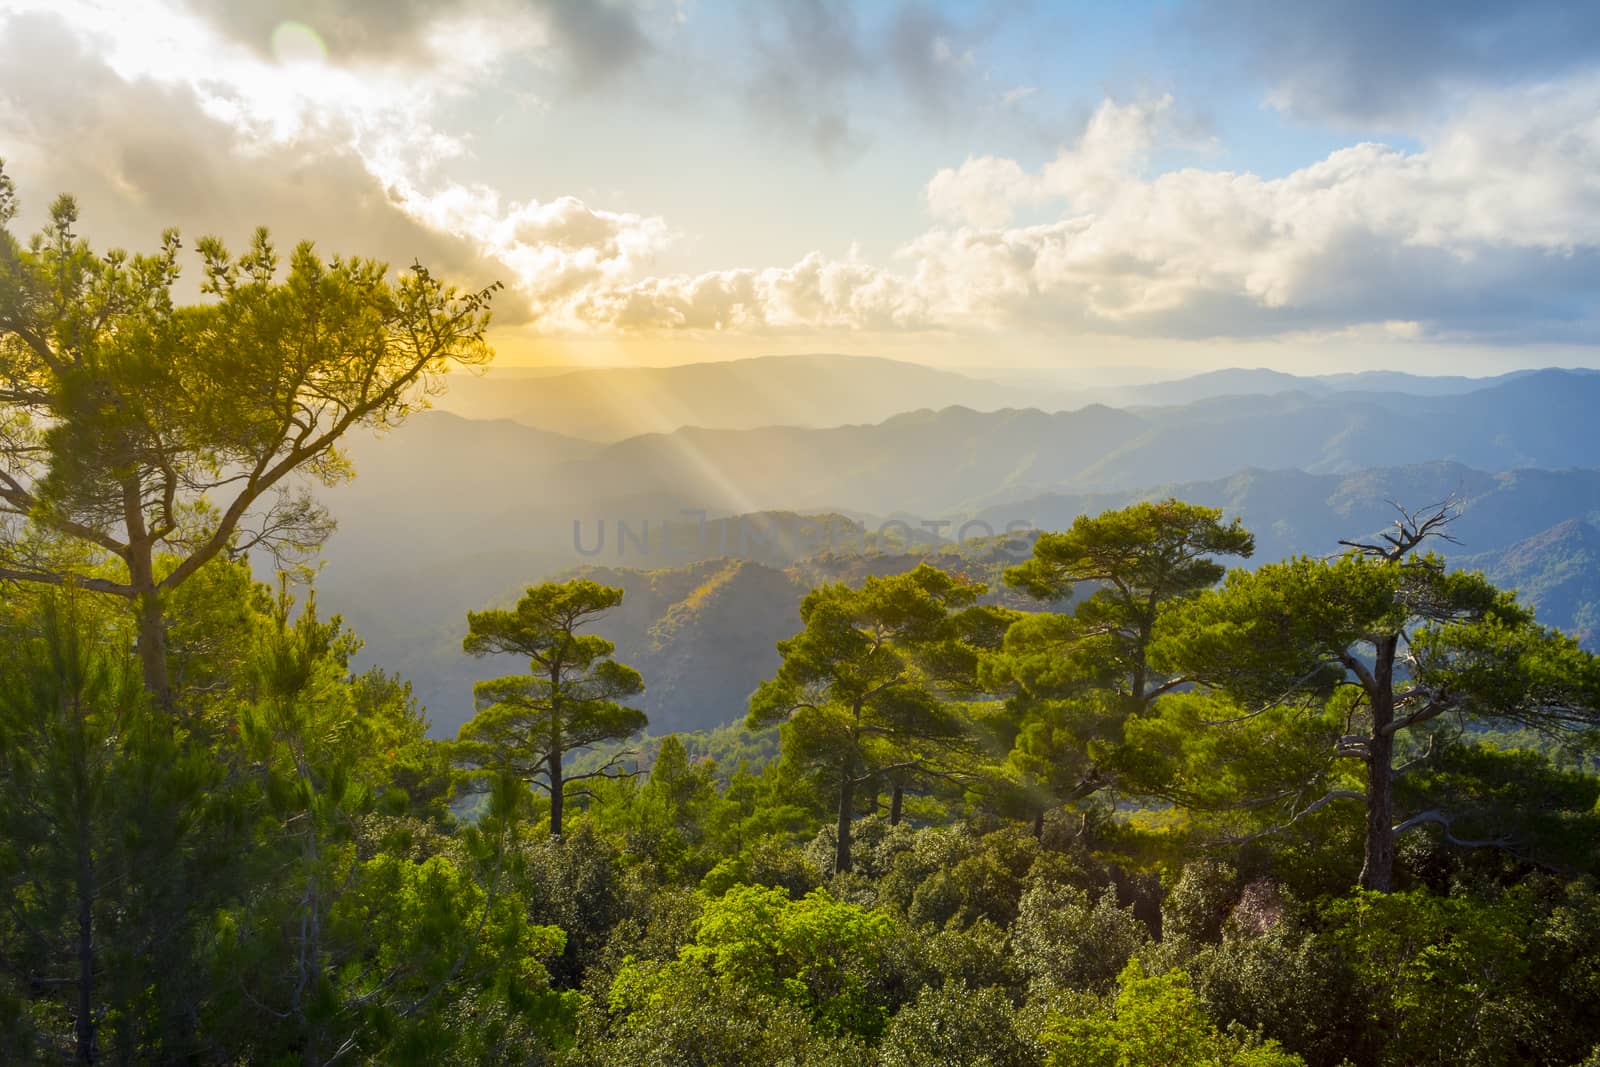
815,292
1490,230
987,190
155,119
556,250
1493,226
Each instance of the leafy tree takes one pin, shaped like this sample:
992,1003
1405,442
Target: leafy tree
71,726
140,439
1079,677
684,1017
1393,644
1156,1019
355,935
956,1026
1447,979
1062,940
669,818
827,957
528,723
860,686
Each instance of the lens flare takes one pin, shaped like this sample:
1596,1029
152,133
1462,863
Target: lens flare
295,42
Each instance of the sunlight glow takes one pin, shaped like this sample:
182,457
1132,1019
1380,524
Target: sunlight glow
297,43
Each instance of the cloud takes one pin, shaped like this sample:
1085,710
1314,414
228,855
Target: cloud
929,55
141,155
827,70
555,251
215,157
986,190
815,292
1375,61
592,41
350,29
1491,231
598,41
810,54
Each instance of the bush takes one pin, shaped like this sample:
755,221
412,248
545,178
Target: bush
954,1026
1155,1020
1064,940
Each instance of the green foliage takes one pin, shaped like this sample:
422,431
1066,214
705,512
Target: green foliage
96,789
1290,985
1065,940
689,1017
265,863
825,957
958,1026
860,688
1155,1019
1370,650
527,723
1465,980
137,429
1077,678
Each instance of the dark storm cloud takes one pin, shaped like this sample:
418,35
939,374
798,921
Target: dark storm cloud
1379,61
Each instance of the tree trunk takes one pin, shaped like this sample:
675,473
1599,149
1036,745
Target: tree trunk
896,803
558,785
140,558
847,796
152,624
1377,869
557,789
1038,825
153,648
84,1027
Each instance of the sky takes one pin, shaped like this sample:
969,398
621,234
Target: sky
1089,188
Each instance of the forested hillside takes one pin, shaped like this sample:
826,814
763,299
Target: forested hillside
1526,528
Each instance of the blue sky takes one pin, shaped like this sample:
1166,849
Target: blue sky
1310,186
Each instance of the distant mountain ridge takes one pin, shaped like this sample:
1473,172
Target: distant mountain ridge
608,404
612,403
958,460
449,513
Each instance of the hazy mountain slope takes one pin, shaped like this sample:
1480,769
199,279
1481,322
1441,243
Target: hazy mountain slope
1534,420
1238,381
703,631
704,635
1557,571
933,463
1292,512
507,486
447,513
921,461
612,403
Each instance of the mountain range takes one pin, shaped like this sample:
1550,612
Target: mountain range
612,403
703,629
716,533
955,461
